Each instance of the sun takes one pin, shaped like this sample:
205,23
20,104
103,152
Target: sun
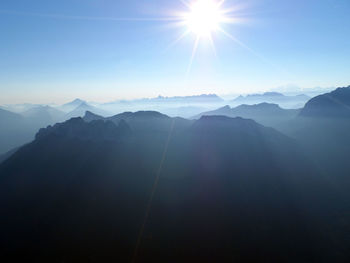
204,17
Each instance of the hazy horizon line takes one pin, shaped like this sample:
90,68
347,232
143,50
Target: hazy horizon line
224,96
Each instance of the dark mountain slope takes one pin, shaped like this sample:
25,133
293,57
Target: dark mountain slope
7,116
327,141
7,155
13,131
323,128
229,189
335,104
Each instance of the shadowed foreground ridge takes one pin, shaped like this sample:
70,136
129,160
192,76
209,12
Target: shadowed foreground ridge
229,190
79,129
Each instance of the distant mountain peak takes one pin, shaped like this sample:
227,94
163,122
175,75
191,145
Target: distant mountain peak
271,94
82,108
262,106
74,103
84,105
77,101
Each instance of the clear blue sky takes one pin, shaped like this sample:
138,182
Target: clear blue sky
54,51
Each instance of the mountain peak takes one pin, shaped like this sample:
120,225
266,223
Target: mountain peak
227,107
90,116
72,105
333,104
77,101
83,105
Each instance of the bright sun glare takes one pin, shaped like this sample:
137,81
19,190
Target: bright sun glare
204,17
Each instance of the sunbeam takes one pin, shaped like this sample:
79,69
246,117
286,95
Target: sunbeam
194,51
263,59
182,36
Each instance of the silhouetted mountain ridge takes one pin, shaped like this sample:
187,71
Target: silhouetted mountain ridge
143,121
273,97
203,98
264,113
78,128
335,104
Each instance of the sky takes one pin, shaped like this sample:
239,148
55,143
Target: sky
103,50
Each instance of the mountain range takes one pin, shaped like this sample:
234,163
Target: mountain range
204,98
90,192
267,114
179,106
30,117
20,128
297,101
146,187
